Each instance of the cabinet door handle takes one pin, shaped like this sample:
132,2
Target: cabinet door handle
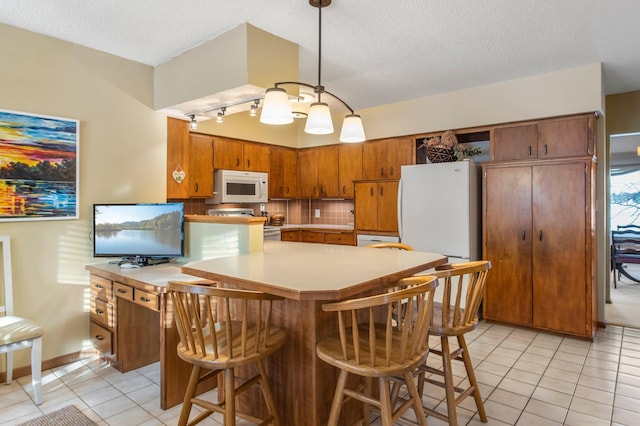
540,235
381,171
99,286
99,337
287,189
545,149
237,162
248,163
344,189
529,150
99,311
381,190
196,186
145,300
390,171
524,234
371,191
121,291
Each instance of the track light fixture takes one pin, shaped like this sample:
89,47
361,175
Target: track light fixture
193,124
254,108
219,119
276,108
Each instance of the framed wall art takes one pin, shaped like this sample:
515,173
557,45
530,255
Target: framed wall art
39,171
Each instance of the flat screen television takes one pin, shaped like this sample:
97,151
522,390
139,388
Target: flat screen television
143,234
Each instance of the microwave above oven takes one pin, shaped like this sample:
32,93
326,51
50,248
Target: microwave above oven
234,186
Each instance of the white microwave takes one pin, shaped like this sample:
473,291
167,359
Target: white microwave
234,186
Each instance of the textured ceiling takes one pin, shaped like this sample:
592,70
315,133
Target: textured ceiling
373,52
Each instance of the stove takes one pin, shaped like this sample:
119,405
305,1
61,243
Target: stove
269,232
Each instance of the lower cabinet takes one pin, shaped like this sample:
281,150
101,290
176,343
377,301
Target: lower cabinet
539,234
346,238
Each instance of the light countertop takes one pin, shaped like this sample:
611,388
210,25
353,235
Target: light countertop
310,271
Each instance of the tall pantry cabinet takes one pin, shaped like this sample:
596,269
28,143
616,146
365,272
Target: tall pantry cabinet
539,227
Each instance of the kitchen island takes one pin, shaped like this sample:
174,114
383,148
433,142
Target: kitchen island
308,275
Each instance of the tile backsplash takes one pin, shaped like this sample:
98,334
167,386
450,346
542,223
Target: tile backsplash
332,212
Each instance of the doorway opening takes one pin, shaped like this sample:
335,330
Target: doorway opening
624,208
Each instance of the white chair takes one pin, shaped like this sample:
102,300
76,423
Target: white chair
18,333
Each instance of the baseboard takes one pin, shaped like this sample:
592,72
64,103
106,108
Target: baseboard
51,363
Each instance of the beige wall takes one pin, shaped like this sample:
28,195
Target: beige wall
122,159
123,151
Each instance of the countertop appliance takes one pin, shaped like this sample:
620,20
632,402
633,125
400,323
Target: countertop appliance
269,232
236,186
439,209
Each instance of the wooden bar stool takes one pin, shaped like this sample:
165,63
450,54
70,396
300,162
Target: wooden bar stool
399,246
380,351
221,329
463,289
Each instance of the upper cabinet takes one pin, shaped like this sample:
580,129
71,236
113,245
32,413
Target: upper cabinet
382,158
283,173
232,154
318,172
349,168
189,162
555,138
376,206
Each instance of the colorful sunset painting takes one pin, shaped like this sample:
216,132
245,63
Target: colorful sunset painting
38,167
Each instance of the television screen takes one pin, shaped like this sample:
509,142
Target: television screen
154,230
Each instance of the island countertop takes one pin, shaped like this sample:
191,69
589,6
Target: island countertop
309,271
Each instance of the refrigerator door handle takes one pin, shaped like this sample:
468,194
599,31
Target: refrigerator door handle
400,209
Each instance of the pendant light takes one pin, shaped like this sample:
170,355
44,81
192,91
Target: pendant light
276,108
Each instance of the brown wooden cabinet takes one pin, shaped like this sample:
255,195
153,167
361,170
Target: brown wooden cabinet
189,162
349,168
538,233
547,139
200,167
376,206
325,236
318,172
290,235
381,159
283,173
112,304
231,154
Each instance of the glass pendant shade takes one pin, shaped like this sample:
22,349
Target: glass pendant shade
319,119
352,129
276,108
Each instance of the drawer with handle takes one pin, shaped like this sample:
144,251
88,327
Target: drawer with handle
100,287
123,291
100,338
144,298
102,312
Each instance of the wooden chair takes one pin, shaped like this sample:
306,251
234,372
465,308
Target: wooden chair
221,329
625,248
399,246
18,333
463,289
380,351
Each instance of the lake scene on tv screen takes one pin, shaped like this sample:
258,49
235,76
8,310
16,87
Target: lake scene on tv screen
138,230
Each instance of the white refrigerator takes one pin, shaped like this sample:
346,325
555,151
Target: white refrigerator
439,209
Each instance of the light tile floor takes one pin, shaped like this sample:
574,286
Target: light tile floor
526,378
